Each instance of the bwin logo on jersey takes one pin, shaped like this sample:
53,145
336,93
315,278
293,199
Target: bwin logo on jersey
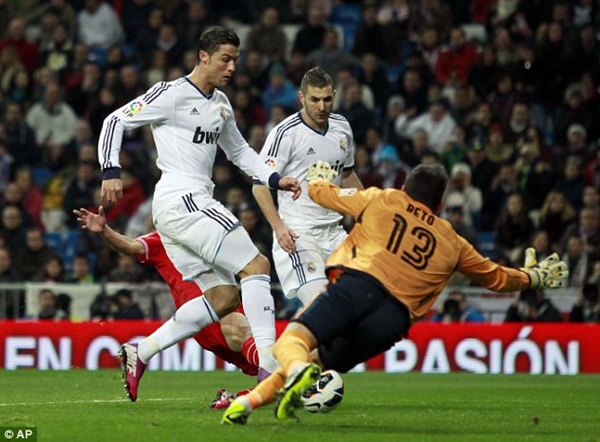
207,137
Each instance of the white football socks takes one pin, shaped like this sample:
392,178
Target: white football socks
188,320
259,307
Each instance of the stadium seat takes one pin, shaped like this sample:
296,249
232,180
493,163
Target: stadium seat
41,176
487,245
349,18
65,244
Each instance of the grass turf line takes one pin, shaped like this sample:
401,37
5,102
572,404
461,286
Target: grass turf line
90,406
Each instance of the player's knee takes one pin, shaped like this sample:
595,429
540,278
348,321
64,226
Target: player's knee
258,266
224,299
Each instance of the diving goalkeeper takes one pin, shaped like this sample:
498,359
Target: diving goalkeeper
385,276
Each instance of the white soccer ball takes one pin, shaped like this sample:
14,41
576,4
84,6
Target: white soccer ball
325,394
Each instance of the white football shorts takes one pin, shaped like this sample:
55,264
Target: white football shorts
307,263
205,241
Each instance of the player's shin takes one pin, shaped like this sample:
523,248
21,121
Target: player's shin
292,349
259,307
265,392
188,320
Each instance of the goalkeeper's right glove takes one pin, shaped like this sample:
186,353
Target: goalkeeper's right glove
321,171
550,272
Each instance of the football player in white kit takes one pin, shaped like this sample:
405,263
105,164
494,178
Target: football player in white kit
189,117
305,232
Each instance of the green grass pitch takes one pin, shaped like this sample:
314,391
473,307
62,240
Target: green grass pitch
90,406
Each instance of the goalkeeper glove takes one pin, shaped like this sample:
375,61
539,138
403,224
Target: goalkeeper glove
550,272
321,171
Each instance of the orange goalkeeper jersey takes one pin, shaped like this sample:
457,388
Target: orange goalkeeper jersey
411,251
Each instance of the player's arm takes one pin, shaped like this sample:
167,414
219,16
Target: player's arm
154,106
96,223
346,201
551,272
285,236
350,180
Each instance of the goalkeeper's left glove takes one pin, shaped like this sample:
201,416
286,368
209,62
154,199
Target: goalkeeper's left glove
550,272
321,171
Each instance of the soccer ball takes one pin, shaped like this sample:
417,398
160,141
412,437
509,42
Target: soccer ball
325,394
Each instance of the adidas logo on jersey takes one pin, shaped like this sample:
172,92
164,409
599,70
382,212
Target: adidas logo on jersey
310,151
194,112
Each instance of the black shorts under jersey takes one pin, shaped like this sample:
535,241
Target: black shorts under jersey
354,320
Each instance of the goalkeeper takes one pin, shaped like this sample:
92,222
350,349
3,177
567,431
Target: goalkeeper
385,276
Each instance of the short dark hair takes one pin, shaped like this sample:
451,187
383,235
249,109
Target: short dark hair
427,184
215,36
315,77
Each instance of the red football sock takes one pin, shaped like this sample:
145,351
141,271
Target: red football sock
249,351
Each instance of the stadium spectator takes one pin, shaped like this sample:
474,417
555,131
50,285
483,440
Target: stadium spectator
14,300
587,227
330,56
579,260
461,193
279,90
19,137
555,216
80,191
32,198
30,260
513,230
170,43
453,64
53,270
571,182
310,36
15,37
356,112
6,165
587,306
126,270
455,150
373,37
390,172
145,39
373,76
454,214
437,122
412,88
343,79
57,53
54,123
133,196
268,37
48,308
533,306
457,309
13,227
518,121
430,13
98,25
125,307
81,272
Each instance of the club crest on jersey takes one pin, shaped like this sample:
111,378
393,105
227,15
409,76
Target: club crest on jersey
311,266
310,151
133,108
342,145
271,162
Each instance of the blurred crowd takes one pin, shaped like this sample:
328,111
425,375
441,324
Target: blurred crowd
504,93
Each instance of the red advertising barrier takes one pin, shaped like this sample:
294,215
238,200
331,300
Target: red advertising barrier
431,348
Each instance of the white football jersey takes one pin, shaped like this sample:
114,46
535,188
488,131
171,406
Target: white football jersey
291,148
187,126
